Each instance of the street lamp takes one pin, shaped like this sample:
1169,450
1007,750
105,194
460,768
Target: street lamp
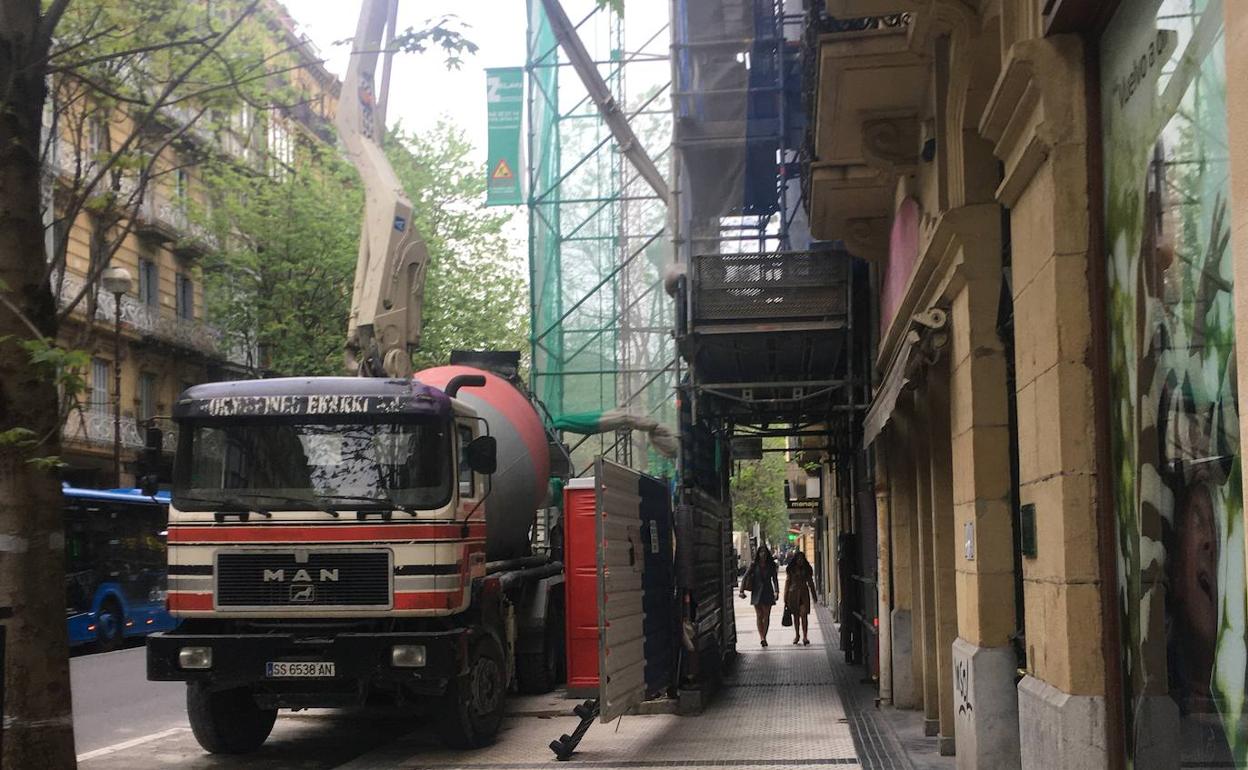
116,281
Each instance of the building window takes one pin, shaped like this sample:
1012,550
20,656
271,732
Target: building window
281,150
183,188
101,372
149,282
185,299
97,138
147,395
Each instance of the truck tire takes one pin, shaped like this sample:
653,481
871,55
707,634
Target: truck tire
227,721
473,709
538,672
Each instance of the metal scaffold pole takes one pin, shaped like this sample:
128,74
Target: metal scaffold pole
603,356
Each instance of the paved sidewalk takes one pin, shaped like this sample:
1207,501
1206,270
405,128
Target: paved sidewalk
779,709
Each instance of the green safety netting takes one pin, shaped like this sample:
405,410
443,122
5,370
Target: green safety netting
603,360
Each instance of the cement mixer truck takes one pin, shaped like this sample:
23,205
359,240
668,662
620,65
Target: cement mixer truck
336,541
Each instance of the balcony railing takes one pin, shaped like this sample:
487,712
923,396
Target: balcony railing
149,321
94,425
169,221
770,286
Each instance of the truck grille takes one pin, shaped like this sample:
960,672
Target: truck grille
355,578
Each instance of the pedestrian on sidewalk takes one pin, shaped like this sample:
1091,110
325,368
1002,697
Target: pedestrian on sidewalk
799,589
762,580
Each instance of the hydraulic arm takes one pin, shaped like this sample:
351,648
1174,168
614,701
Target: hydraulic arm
385,322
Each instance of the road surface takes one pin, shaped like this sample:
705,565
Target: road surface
121,720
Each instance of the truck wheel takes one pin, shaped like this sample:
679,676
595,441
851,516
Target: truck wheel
474,701
227,721
538,672
110,626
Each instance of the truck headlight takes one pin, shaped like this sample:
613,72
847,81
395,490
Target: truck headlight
195,658
407,656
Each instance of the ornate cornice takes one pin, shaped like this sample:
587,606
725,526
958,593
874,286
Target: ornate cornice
1037,104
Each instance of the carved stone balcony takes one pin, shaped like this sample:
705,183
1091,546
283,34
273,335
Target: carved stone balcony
869,81
93,426
169,222
151,323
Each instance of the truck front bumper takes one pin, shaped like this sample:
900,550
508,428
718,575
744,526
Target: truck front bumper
361,660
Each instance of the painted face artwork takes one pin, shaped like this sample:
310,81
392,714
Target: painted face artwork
1175,419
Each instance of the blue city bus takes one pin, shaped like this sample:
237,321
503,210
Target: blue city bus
114,565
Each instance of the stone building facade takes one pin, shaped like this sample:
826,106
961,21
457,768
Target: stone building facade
1053,196
168,342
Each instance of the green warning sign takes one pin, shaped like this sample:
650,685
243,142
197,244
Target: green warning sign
504,108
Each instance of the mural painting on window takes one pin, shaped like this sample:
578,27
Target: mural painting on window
1175,421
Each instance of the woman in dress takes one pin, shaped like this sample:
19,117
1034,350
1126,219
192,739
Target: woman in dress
763,581
799,587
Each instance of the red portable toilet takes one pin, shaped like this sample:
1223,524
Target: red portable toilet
580,570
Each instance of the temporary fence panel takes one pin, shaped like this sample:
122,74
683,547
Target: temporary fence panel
621,614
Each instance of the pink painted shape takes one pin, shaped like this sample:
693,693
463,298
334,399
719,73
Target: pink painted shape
903,254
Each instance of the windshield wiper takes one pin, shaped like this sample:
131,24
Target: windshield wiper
384,501
239,502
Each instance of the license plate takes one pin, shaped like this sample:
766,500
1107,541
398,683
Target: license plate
298,670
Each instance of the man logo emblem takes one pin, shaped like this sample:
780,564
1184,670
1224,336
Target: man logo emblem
302,593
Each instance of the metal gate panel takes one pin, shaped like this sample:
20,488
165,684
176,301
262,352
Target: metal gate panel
621,645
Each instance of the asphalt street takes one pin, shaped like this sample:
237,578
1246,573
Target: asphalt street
114,702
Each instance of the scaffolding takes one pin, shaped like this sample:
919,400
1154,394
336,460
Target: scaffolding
600,318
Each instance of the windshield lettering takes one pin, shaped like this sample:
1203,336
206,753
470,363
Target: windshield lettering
262,406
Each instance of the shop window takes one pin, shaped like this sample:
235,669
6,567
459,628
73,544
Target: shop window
1174,415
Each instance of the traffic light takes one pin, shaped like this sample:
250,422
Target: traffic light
792,537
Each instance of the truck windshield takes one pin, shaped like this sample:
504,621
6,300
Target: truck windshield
297,466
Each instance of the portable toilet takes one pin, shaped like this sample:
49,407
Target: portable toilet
580,568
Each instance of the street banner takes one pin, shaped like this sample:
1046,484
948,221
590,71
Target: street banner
504,108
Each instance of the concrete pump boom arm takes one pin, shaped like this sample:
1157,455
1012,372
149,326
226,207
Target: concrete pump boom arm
385,322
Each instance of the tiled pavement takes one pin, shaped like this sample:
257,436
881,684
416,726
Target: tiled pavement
783,706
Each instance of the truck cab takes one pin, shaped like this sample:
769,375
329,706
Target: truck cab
327,546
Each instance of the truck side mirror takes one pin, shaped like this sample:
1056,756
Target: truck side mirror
149,461
483,454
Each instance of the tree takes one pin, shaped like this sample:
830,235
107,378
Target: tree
758,496
475,294
137,77
281,285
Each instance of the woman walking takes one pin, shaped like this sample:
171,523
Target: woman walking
799,589
762,580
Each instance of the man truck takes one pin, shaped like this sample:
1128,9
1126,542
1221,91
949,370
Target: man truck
337,540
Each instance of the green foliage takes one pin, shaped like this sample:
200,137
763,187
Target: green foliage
63,367
46,464
758,494
441,34
18,437
475,294
282,284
